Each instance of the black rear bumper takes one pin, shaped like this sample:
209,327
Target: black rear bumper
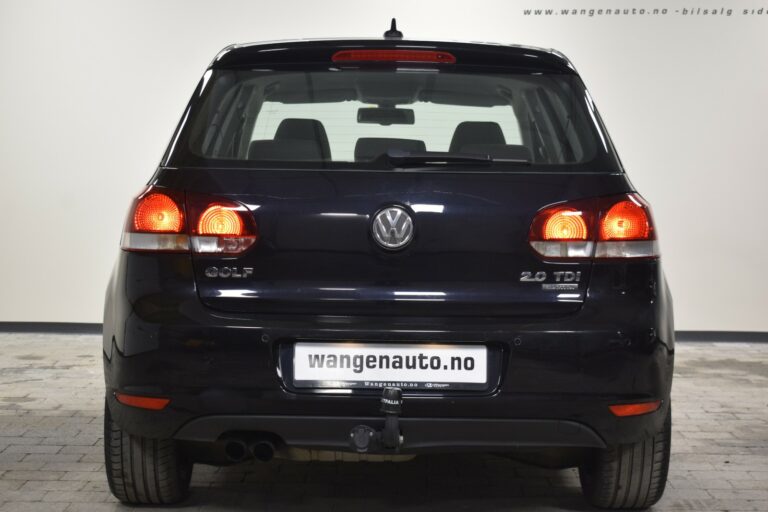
419,434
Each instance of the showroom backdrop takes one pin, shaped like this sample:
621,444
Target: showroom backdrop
90,93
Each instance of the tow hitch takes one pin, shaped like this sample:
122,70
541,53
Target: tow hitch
365,438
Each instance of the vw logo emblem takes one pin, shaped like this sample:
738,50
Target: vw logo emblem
392,227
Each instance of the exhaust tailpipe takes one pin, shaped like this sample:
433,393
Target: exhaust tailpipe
262,450
236,450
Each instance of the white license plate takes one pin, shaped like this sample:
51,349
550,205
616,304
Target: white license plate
364,365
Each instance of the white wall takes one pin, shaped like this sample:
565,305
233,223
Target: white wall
91,91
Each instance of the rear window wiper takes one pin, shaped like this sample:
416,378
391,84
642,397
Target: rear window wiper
402,158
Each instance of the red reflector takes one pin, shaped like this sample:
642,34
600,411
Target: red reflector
634,409
393,56
142,402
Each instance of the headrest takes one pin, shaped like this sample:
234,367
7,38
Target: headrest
368,148
307,130
476,132
286,150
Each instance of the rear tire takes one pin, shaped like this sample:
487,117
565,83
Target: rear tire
629,476
143,471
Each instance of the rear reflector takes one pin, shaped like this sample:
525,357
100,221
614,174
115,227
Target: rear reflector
143,402
634,409
393,56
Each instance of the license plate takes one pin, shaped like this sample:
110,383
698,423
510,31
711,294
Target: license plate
364,365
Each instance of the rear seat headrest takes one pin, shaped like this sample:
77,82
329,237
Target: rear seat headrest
286,150
306,130
368,148
476,132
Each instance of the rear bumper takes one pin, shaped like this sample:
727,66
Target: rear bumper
223,373
541,401
419,434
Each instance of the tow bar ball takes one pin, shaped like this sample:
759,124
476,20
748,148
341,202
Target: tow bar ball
364,438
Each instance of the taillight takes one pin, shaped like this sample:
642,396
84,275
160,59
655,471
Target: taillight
608,227
218,219
565,224
625,220
394,56
564,230
222,227
163,220
158,213
156,223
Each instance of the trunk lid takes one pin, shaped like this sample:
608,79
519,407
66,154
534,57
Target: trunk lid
317,255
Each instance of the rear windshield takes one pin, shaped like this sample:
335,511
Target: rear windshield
360,118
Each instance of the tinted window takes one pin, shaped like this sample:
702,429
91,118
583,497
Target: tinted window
351,118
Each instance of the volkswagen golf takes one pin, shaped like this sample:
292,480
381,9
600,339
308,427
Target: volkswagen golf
373,249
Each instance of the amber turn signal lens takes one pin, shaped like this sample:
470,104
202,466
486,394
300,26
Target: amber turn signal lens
625,220
157,213
634,409
565,224
220,221
143,402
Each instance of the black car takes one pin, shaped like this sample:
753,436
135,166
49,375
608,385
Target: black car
372,249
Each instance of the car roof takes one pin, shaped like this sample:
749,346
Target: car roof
320,51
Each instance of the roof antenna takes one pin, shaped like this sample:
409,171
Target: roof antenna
393,33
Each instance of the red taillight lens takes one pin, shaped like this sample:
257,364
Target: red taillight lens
565,224
393,56
223,227
623,410
158,223
219,220
158,213
625,220
564,230
607,227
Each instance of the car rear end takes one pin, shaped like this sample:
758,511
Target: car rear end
335,220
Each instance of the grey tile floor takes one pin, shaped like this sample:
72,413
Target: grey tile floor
51,403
